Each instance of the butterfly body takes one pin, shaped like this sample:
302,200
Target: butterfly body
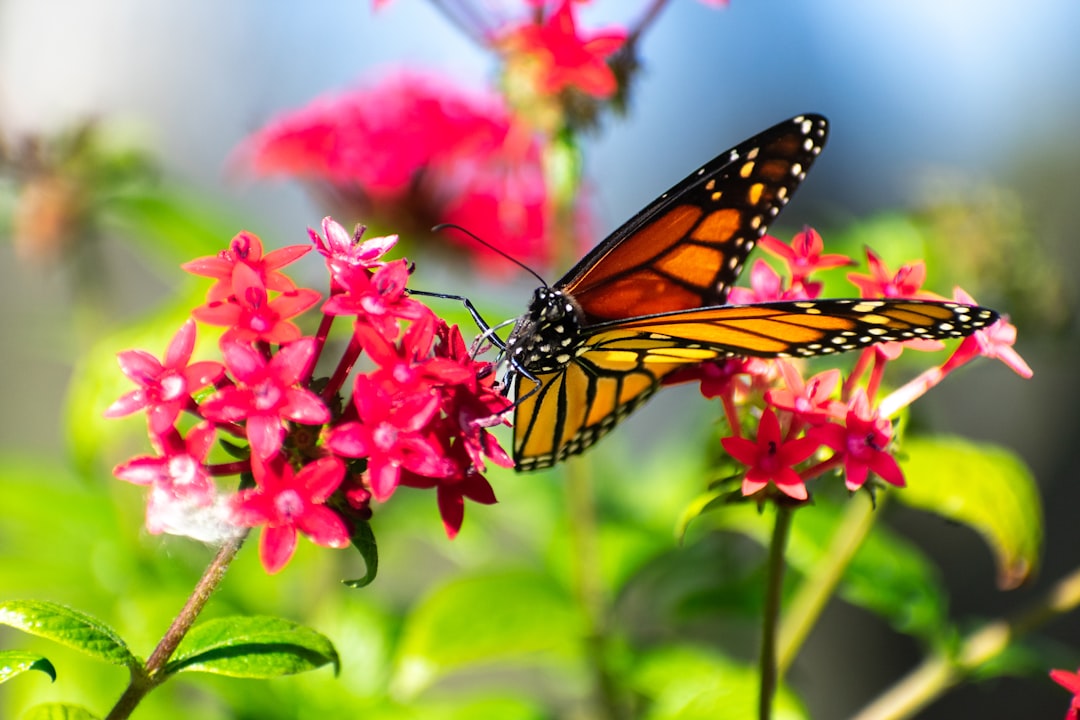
650,299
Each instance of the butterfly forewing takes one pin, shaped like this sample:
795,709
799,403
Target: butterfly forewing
686,249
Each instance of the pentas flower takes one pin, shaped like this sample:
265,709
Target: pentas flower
267,394
284,502
393,435
556,57
771,459
246,250
1071,682
995,341
413,150
829,411
811,402
177,475
419,417
862,441
766,285
342,249
881,283
804,255
251,315
378,299
166,385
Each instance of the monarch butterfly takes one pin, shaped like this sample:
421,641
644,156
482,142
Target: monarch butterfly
651,297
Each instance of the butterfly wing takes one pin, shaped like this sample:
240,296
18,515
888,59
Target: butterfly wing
622,363
686,248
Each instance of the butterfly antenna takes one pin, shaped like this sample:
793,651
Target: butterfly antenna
489,246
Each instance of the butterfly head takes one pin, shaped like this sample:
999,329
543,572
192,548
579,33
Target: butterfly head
546,336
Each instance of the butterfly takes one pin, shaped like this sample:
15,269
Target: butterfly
650,299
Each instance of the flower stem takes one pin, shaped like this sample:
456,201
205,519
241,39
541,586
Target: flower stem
818,586
939,672
587,581
145,679
770,671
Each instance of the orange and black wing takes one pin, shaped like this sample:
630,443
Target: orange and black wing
622,363
685,250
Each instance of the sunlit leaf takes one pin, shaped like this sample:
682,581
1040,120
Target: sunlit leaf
983,486
253,647
17,662
689,683
68,627
58,711
493,618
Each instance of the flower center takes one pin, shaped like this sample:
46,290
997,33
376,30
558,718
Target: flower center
289,504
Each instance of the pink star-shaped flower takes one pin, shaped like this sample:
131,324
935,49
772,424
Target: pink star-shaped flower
246,250
165,386
770,458
861,441
995,341
804,255
286,502
267,394
249,313
561,58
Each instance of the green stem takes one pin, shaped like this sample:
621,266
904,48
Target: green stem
585,555
939,672
819,585
145,679
770,671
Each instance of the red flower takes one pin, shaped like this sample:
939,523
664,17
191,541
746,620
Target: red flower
452,492
811,401
804,255
378,299
995,341
179,470
251,315
183,498
342,249
766,285
904,283
285,501
1071,682
415,150
246,249
392,436
862,440
267,394
559,58
166,386
771,459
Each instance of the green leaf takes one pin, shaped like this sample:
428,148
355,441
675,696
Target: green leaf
58,711
253,647
514,615
363,539
689,683
69,627
985,487
894,579
16,662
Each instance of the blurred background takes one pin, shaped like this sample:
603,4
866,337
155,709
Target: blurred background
954,133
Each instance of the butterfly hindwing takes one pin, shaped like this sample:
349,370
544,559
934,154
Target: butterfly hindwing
686,249
622,364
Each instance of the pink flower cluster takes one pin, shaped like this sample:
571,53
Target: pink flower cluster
312,461
807,427
413,150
